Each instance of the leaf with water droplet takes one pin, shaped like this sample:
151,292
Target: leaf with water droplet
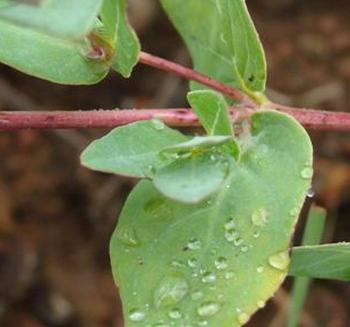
272,182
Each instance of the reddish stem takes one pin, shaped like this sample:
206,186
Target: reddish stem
190,74
312,119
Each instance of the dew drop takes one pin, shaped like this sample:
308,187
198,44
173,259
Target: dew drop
171,290
259,217
178,263
175,314
244,248
294,212
231,235
260,269
208,278
243,318
230,224
279,260
194,244
192,263
229,275
136,315
157,124
196,295
221,263
238,241
307,173
208,309
256,234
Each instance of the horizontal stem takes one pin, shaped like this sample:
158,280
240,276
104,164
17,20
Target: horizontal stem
312,119
190,74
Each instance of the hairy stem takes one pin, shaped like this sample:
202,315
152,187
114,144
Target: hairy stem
312,119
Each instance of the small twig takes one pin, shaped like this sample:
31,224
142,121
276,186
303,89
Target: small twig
312,119
190,74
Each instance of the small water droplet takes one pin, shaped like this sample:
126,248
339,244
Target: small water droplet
196,295
194,244
208,278
293,212
310,193
175,314
128,236
279,260
208,309
231,235
136,315
230,224
259,217
243,318
157,124
178,263
171,290
256,234
260,269
244,248
203,323
229,275
192,263
261,304
238,241
221,263
307,173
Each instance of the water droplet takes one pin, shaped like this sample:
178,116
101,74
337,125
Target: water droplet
259,217
178,263
194,244
196,295
260,269
294,212
310,193
171,290
231,235
136,315
238,241
244,248
208,309
175,314
256,234
229,275
157,124
221,263
261,304
230,224
243,318
307,173
279,260
128,236
193,262
208,278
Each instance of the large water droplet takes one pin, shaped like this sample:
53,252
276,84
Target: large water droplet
259,217
307,173
136,315
221,263
243,318
194,244
128,236
170,291
196,295
157,124
279,260
208,309
175,314
208,278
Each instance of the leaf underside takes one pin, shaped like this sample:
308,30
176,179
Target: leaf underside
220,260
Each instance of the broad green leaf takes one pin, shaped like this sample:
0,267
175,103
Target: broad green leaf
328,261
132,150
72,19
212,111
222,41
312,235
194,178
47,57
123,37
218,261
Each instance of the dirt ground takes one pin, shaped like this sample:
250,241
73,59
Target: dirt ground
56,217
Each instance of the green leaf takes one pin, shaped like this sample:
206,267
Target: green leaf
217,261
328,261
132,150
222,41
47,57
212,111
192,179
72,19
312,235
123,37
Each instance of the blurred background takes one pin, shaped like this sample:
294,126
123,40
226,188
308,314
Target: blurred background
56,217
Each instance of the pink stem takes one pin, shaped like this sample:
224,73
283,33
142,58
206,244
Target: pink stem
312,119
